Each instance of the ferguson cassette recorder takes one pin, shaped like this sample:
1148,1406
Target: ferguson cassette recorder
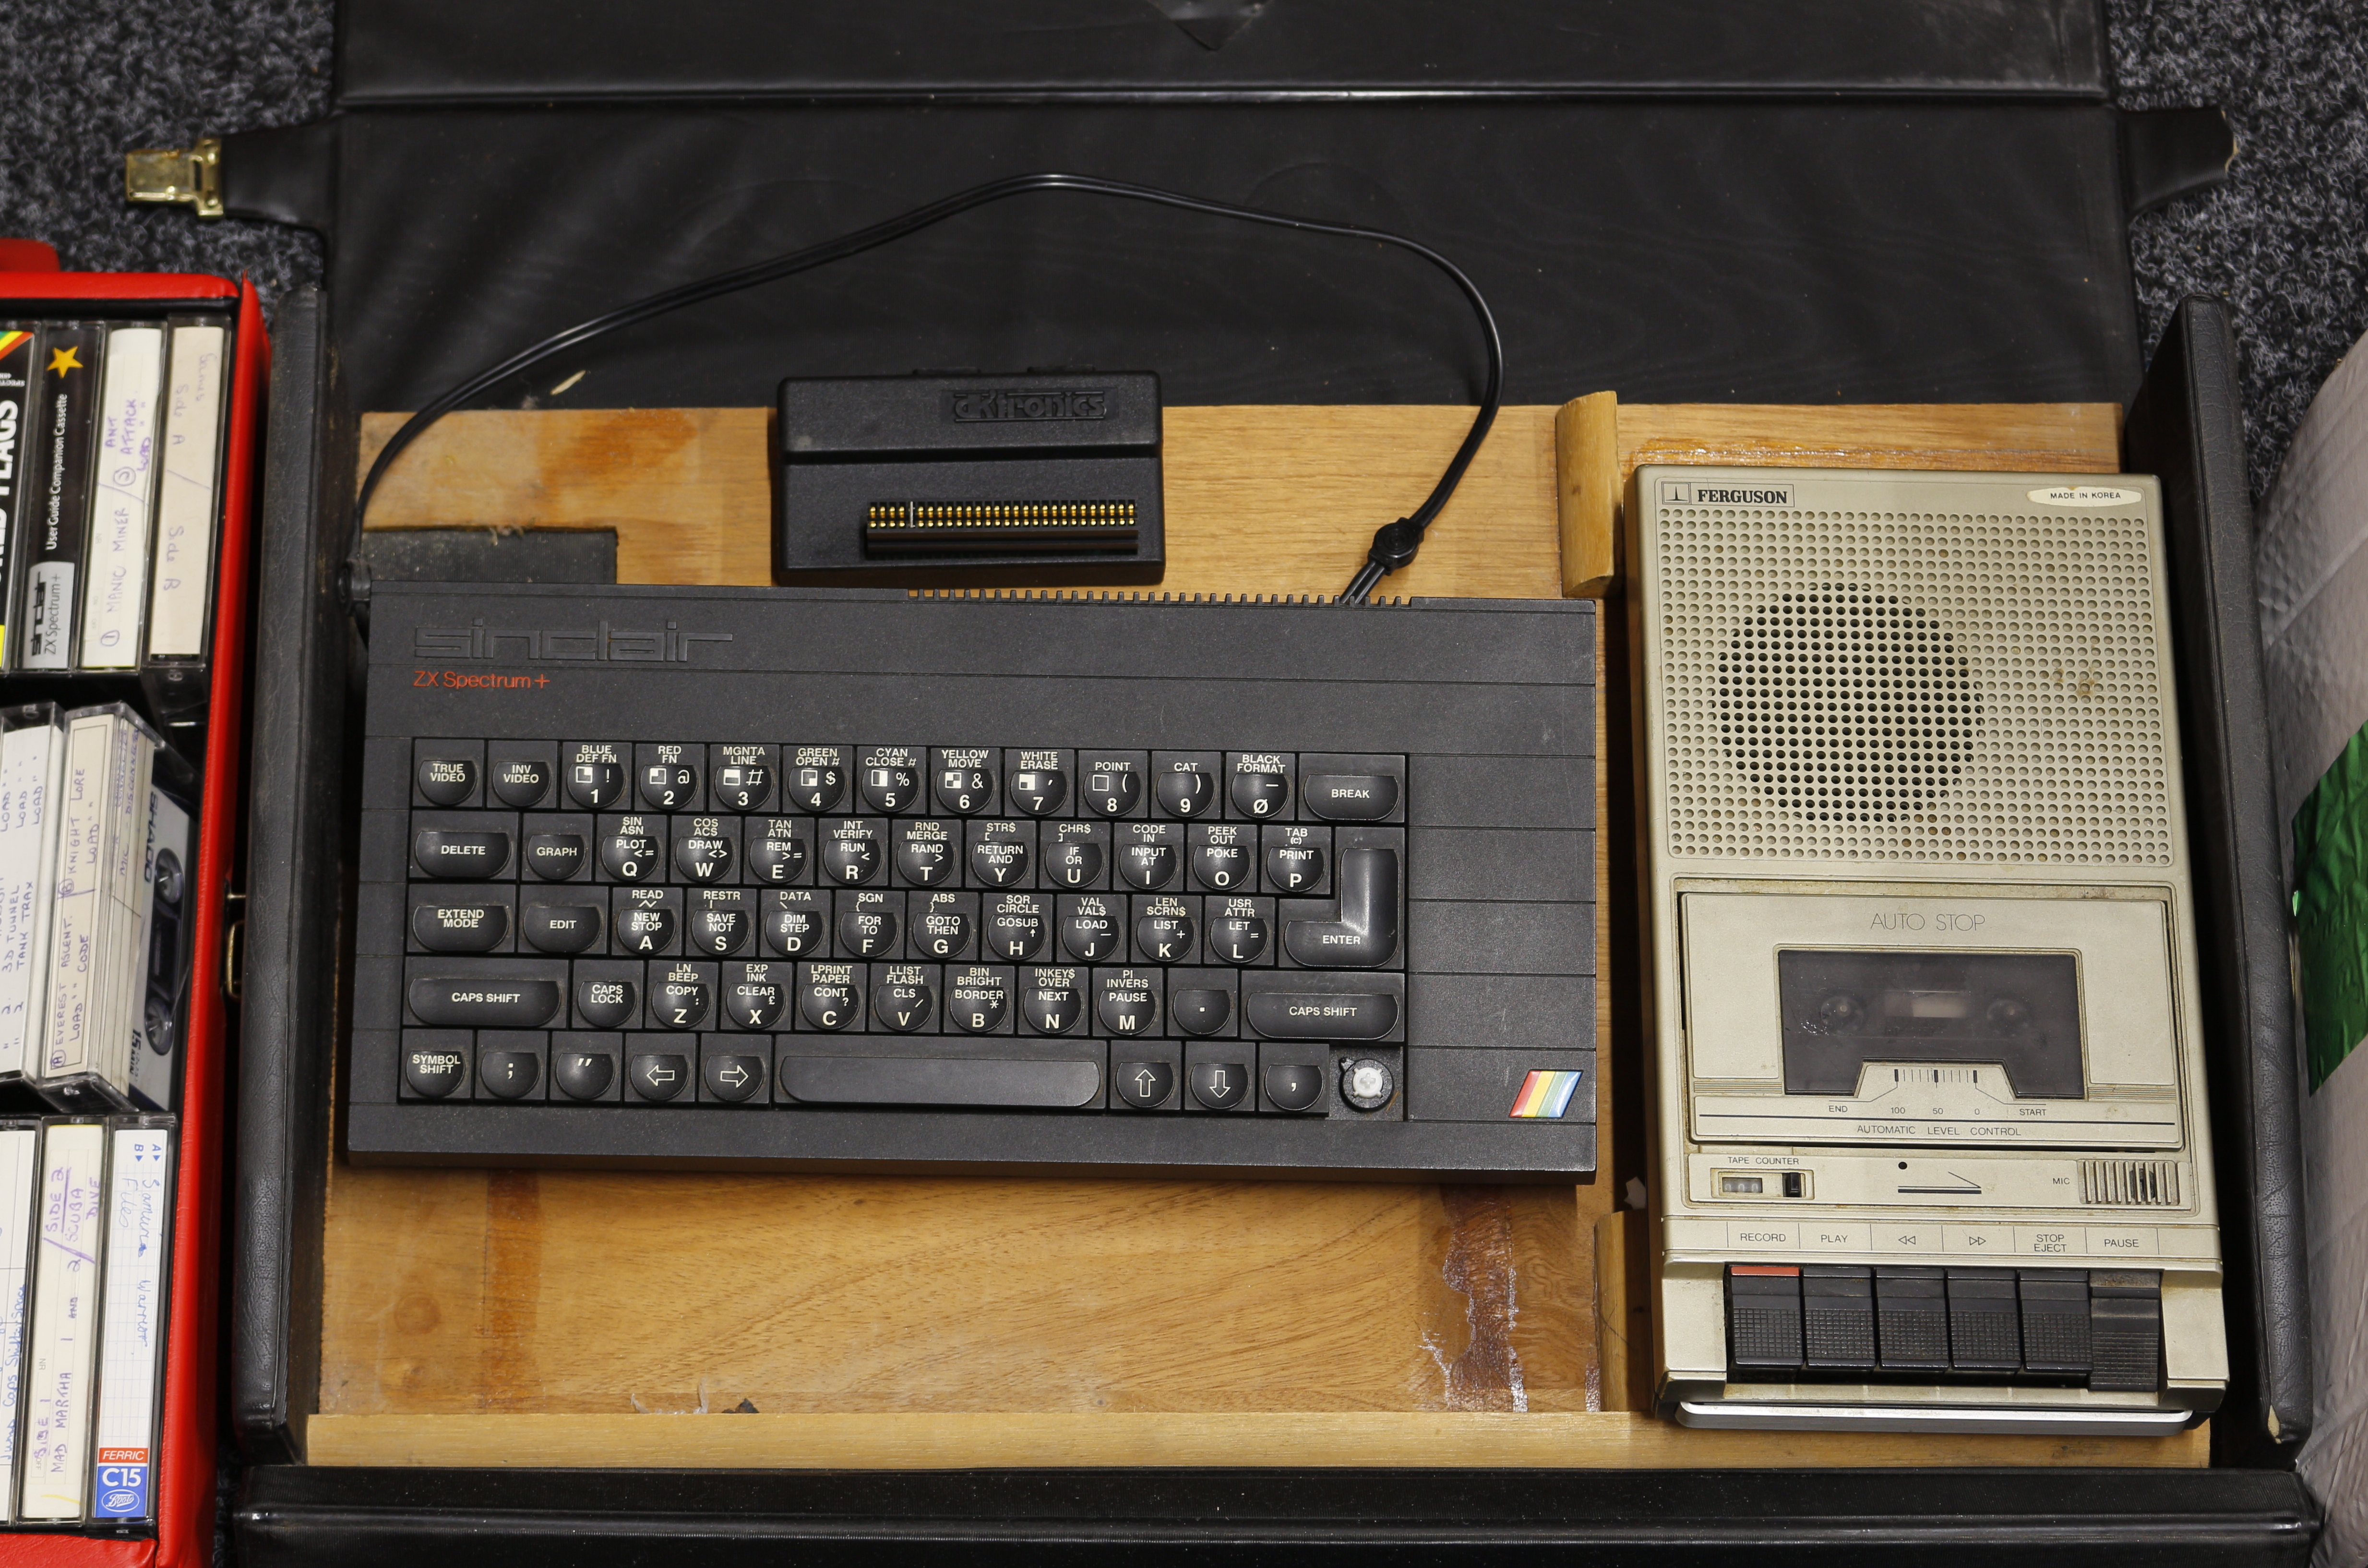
1930,1133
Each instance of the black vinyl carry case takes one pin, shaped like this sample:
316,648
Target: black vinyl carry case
1603,283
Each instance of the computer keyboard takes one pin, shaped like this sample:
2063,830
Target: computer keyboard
810,879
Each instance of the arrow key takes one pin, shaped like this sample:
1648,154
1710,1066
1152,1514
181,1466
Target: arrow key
1144,1085
657,1076
734,1077
1219,1086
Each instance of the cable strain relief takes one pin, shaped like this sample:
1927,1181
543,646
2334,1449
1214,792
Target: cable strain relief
1395,545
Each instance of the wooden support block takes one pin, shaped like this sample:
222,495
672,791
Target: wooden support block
1601,442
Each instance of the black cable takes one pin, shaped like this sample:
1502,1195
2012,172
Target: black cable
1394,544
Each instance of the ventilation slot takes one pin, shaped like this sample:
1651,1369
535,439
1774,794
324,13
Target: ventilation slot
1918,686
2130,1183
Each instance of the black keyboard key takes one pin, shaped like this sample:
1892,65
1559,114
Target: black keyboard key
779,849
1166,930
1298,860
853,850
926,852
562,928
1038,783
483,1002
965,1081
668,778
521,781
556,853
1127,1002
871,925
1221,856
632,848
1185,783
2054,1309
741,778
813,778
436,1065
462,925
1258,784
963,778
658,1076
681,995
1344,797
1019,925
2125,1330
734,1077
1052,1001
447,780
1113,783
944,926
1076,855
904,998
889,779
1296,1087
718,923
1240,930
796,923
1200,1011
582,1072
508,1075
607,1001
978,998
1309,1012
1150,856
1365,934
706,851
1145,1086
756,996
592,773
1092,925
461,854
1001,852
1219,1086
830,996
646,922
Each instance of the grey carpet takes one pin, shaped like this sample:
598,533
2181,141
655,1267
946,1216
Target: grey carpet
2283,240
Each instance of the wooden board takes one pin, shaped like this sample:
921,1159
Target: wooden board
956,1441
1259,500
475,1317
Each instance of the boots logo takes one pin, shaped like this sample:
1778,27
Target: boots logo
602,644
1012,403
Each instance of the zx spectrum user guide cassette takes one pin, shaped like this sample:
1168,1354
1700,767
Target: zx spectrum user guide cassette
1930,1134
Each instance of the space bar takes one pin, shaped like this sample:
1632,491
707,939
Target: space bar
940,1080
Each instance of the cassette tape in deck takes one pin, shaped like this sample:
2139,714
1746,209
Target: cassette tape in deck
1931,1141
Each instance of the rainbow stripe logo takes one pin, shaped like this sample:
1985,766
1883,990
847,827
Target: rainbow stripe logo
1545,1093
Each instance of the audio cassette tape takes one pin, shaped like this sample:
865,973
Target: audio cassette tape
1930,1128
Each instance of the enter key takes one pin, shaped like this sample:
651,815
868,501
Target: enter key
1362,928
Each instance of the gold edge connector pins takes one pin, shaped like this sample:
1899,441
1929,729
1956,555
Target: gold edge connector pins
188,175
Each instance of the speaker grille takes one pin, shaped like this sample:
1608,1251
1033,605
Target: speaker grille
1896,686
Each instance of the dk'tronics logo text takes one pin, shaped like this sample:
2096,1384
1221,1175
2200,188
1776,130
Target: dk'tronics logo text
1016,403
